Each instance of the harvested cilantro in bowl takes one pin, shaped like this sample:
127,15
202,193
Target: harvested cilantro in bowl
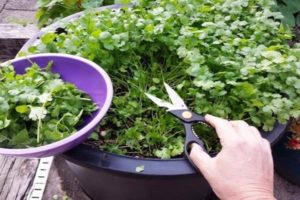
38,107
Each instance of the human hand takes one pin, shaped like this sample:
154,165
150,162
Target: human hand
243,169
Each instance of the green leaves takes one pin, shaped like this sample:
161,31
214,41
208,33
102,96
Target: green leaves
4,122
52,10
22,109
173,148
48,37
229,58
38,108
291,12
20,139
244,89
86,4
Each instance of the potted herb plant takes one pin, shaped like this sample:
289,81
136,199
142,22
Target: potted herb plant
229,58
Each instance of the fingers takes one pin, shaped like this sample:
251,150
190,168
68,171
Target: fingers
216,122
240,126
200,158
267,146
243,129
246,131
230,131
256,133
223,128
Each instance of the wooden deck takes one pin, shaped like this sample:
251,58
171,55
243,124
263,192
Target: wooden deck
17,175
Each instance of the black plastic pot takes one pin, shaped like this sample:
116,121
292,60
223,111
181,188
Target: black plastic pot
287,161
107,176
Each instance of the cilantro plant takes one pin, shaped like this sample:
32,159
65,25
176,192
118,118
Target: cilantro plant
229,58
38,108
52,10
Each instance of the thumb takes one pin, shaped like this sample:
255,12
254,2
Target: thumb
201,159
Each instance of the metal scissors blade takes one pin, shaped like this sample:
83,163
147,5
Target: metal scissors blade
160,102
178,109
175,98
177,102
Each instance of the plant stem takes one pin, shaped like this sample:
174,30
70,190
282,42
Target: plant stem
38,130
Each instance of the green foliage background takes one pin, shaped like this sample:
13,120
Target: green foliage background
51,10
291,11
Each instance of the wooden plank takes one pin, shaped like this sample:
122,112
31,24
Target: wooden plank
12,38
17,31
9,48
62,182
16,176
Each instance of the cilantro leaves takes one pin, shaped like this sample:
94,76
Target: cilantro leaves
229,58
38,108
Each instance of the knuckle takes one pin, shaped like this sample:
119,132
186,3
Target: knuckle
254,128
239,123
234,121
242,143
243,123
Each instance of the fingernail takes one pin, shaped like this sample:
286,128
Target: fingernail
195,145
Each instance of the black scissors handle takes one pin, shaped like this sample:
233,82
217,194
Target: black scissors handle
190,138
188,118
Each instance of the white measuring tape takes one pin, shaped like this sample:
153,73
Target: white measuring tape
40,179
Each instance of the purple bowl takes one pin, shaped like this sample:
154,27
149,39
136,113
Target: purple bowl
88,77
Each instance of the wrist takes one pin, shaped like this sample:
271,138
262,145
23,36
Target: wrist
251,193
260,197
253,196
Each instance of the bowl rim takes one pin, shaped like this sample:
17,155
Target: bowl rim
84,130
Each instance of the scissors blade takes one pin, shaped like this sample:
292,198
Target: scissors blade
160,102
175,98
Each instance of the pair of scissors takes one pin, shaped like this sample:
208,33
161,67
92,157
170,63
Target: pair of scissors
178,109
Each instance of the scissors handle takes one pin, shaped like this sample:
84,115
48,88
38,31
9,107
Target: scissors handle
190,138
189,118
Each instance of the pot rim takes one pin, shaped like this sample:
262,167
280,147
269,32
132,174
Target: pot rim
100,160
